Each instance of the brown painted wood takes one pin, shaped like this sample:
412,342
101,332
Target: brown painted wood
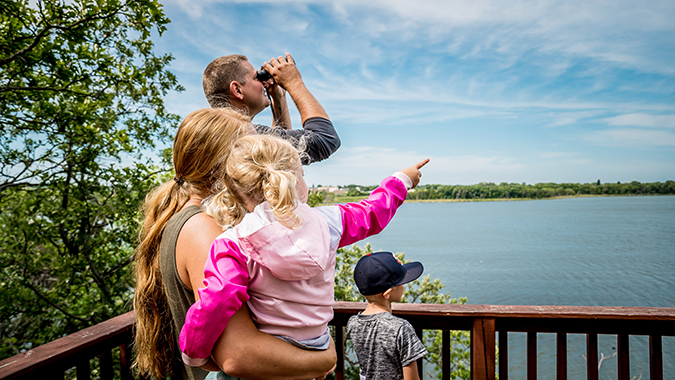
125,362
623,359
83,370
483,349
561,356
655,357
68,351
569,319
340,351
47,360
503,355
105,363
446,357
592,356
531,356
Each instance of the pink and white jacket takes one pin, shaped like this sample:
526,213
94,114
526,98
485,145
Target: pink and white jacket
288,273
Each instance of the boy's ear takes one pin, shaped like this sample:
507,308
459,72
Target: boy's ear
387,293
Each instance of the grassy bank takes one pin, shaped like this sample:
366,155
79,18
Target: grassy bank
348,199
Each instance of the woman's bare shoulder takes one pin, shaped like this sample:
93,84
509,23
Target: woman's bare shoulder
192,248
201,227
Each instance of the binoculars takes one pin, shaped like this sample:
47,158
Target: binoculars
262,75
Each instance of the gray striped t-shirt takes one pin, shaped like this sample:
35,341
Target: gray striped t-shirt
384,344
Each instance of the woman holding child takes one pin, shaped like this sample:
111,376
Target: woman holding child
175,241
253,185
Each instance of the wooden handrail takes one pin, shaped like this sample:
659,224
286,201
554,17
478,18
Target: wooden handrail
52,359
483,321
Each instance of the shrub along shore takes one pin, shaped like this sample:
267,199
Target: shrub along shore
508,191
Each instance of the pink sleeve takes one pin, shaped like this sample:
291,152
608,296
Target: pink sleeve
226,282
370,216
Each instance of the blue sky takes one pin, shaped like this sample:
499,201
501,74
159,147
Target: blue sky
490,91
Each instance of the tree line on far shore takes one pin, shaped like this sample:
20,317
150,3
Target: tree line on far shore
489,190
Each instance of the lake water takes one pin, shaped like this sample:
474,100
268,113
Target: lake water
598,251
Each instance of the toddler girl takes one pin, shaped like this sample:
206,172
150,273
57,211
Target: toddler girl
280,252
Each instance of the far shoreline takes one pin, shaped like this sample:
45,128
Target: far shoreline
357,199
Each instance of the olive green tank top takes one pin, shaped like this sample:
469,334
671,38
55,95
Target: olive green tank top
179,296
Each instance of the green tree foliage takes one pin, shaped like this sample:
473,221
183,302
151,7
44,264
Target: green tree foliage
315,198
81,100
422,290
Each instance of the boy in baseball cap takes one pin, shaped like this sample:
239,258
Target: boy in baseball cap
386,346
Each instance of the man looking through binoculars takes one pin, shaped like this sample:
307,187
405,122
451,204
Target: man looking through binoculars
232,81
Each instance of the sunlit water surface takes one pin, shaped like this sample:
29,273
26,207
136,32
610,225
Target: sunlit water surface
599,251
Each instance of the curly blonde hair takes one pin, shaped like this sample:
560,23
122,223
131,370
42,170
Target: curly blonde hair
200,150
260,168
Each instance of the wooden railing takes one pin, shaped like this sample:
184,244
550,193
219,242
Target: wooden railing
51,360
484,320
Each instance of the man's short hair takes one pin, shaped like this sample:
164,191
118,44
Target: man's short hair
218,76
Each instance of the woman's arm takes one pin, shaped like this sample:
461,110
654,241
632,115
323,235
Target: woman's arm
242,350
245,352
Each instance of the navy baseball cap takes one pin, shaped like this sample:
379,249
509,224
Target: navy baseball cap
379,271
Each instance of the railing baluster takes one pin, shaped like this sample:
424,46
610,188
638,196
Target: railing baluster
655,357
592,356
420,361
446,352
623,352
58,375
340,351
503,355
531,356
561,356
125,362
483,349
105,365
83,370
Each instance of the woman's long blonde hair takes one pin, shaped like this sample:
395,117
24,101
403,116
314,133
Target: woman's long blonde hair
200,151
260,168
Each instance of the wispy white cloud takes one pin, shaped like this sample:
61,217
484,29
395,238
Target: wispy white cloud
367,165
643,120
558,154
469,77
631,138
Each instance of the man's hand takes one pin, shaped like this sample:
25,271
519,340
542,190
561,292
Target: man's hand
283,68
286,74
284,71
413,172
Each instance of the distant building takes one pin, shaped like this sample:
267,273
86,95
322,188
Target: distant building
329,189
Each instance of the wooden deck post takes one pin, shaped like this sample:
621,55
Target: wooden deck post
624,357
340,351
655,357
483,349
592,356
532,355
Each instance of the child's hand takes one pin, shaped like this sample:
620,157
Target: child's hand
414,173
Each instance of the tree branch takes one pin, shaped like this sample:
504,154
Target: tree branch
48,27
37,291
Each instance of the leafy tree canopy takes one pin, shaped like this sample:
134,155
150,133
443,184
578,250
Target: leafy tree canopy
81,101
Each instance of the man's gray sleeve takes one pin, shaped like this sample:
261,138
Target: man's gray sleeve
318,137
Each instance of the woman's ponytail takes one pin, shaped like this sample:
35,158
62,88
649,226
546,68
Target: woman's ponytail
200,150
